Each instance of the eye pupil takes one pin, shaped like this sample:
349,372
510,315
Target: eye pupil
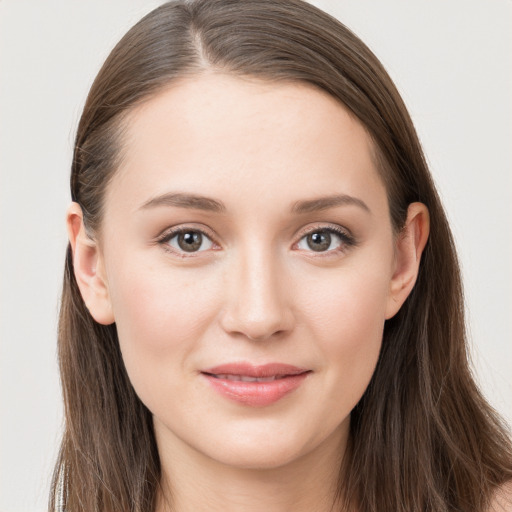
319,241
190,241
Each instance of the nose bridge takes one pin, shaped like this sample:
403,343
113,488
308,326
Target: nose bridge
257,305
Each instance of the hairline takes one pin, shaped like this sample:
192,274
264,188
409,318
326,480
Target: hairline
120,123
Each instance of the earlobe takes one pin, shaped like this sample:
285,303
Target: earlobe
88,267
409,247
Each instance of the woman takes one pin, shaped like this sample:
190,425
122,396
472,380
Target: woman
262,304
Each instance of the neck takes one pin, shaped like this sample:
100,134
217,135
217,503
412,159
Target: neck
191,482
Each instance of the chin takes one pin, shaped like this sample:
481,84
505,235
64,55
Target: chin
271,449
257,458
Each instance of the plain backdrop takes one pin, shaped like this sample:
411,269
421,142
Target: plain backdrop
451,60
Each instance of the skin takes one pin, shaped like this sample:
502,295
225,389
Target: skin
257,292
502,501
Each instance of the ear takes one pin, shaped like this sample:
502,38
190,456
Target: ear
409,246
88,267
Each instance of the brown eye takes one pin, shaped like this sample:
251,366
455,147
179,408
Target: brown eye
189,241
325,240
319,241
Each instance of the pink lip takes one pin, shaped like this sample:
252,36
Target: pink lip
287,378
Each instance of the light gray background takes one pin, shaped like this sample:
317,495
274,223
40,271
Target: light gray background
451,61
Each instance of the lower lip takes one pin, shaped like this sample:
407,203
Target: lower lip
256,394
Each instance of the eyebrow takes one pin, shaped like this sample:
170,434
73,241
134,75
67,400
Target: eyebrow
327,202
209,204
186,201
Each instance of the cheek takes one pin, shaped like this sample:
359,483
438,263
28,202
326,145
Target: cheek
349,304
346,316
160,317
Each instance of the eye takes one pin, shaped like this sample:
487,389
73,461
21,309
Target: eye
325,240
187,241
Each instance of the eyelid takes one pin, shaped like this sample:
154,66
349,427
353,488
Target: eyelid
173,230
169,233
326,226
343,233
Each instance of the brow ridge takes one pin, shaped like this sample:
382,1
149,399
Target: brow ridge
183,200
198,202
327,202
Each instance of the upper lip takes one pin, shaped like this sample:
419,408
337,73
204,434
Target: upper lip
250,370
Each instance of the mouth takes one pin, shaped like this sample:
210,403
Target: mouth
255,386
246,378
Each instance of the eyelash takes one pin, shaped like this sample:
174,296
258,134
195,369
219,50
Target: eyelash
347,240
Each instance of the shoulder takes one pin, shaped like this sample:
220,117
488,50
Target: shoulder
502,500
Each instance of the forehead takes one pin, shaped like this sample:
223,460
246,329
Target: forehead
244,137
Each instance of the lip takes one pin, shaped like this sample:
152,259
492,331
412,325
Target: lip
226,379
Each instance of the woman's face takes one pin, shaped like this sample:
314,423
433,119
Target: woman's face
246,236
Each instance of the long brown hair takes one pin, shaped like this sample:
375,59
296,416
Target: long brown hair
422,437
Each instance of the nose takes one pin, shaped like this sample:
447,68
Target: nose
258,303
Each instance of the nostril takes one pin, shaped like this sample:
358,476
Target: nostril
264,336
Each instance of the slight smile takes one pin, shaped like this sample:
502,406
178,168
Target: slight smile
255,386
